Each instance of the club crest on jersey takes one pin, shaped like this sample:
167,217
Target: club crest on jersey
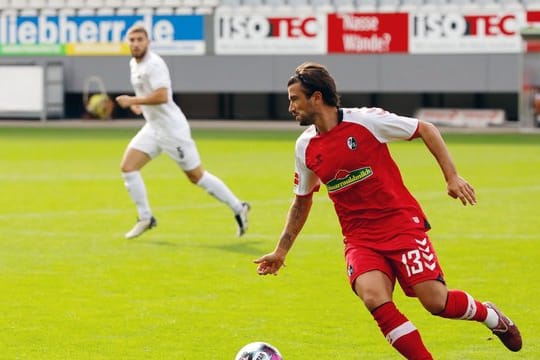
351,143
345,178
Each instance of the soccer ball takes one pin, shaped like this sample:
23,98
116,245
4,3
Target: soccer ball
258,351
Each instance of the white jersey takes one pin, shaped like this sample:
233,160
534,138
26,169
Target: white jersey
150,74
166,129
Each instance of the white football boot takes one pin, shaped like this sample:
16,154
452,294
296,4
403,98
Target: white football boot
242,219
140,227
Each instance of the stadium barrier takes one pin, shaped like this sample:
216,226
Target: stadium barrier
31,91
463,117
449,52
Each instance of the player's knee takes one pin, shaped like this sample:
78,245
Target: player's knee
193,178
125,168
374,288
195,175
373,299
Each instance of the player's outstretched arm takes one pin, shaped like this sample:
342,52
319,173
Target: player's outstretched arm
136,109
156,97
296,218
456,186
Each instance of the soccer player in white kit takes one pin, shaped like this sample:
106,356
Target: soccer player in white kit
166,130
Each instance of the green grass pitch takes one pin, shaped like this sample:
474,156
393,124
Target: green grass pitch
73,288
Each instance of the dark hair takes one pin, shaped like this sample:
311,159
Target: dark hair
315,77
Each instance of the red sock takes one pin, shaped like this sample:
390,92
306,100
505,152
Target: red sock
461,305
400,332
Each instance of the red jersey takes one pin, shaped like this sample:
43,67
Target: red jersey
363,181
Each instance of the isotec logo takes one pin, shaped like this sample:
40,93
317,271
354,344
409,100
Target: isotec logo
260,27
346,178
457,25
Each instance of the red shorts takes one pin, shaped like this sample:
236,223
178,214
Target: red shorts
408,257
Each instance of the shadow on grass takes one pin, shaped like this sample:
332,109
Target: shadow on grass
239,247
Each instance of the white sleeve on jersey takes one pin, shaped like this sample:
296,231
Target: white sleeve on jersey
158,74
305,181
384,125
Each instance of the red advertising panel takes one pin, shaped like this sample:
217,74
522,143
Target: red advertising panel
533,17
368,33
533,21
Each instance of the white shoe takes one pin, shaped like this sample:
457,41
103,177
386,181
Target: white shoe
140,227
242,219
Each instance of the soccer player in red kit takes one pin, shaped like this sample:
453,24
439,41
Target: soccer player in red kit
384,227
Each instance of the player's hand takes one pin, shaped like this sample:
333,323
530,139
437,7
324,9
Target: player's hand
269,264
136,109
124,101
459,188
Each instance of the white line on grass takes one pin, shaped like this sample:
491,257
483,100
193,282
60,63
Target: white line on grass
489,236
189,207
75,177
114,211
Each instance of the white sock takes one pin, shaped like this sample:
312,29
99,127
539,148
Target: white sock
492,319
137,191
217,188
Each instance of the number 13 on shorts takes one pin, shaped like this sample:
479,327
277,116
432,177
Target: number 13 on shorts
416,261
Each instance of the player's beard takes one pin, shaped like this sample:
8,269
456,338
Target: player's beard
305,122
307,119
139,56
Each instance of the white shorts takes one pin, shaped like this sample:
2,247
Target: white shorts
177,144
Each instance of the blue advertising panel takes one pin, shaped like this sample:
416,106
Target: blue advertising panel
99,35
